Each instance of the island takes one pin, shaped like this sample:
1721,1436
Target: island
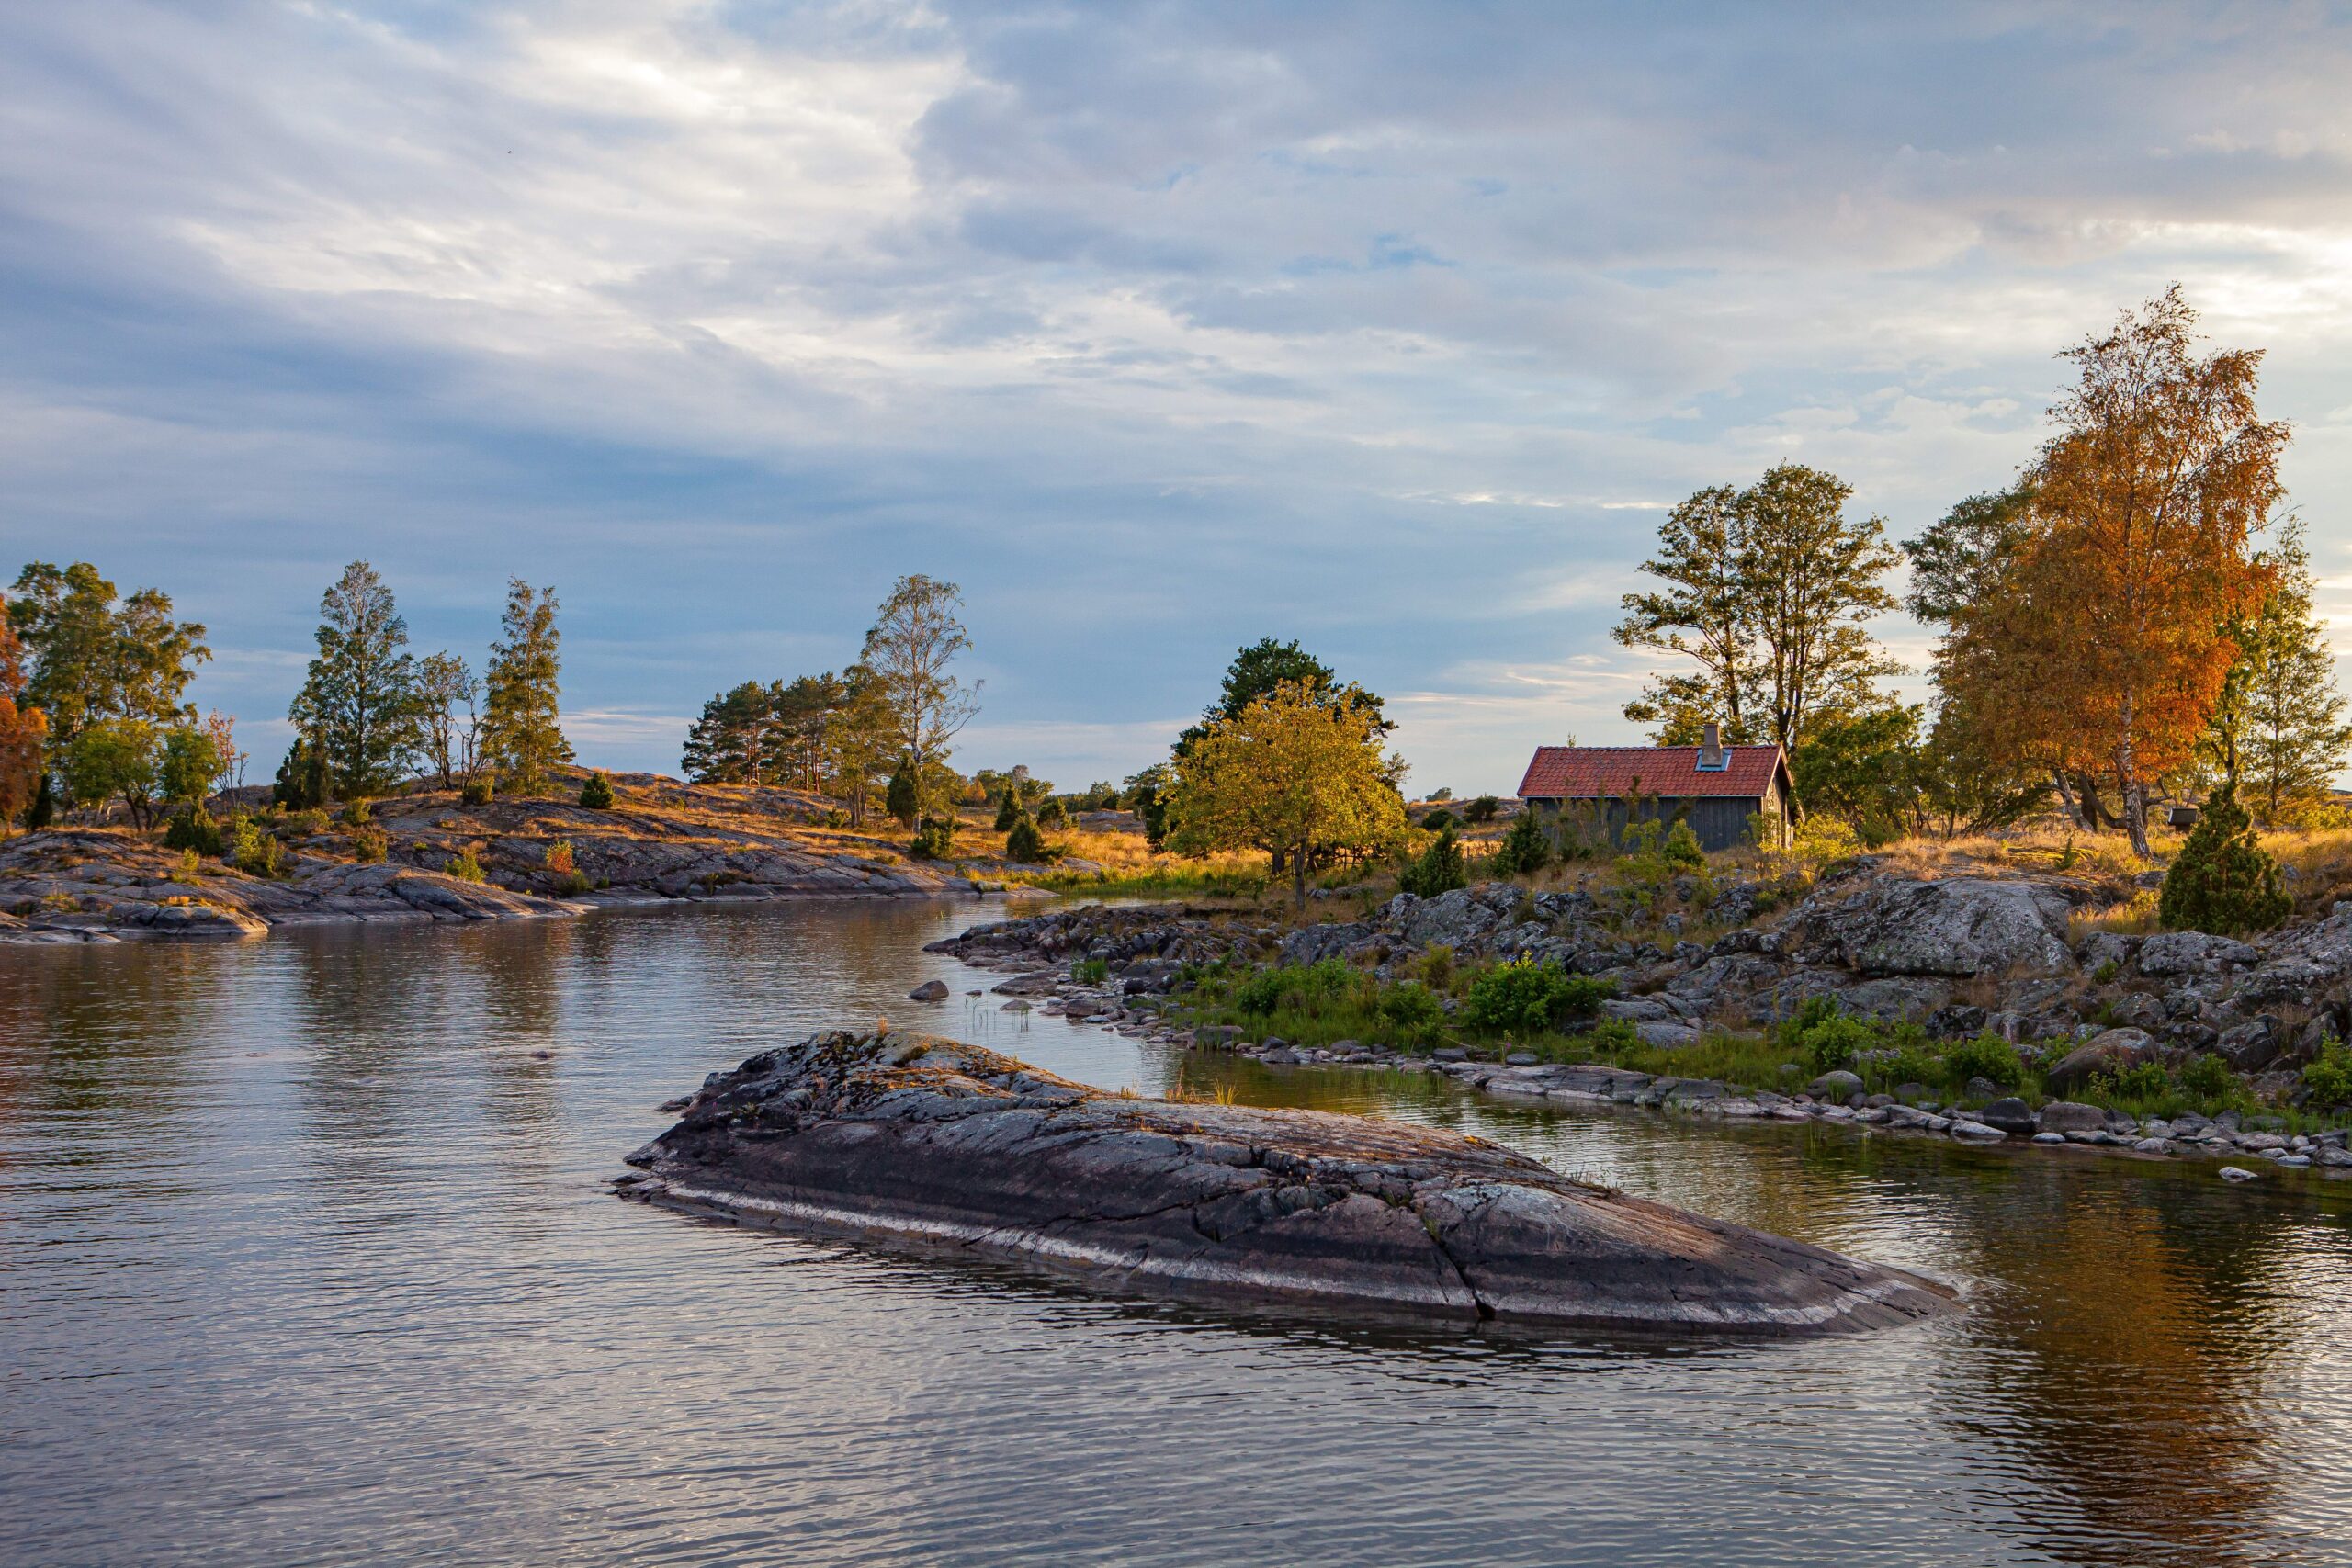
932,1143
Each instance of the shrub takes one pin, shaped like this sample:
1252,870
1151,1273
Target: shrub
1988,1056
1613,1037
2141,1080
1439,869
1053,812
1008,810
465,865
597,794
560,861
2222,881
1682,847
476,791
1438,822
2207,1077
1481,810
1091,971
2327,1081
370,845
250,848
1835,1041
836,818
1025,843
192,827
935,840
901,799
1412,1011
358,813
190,867
1822,839
1436,965
1266,991
1525,997
1526,848
308,822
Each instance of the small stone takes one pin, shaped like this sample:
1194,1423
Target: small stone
2071,1116
2237,1173
929,991
1976,1131
2049,1137
2152,1146
1522,1059
1835,1086
2009,1113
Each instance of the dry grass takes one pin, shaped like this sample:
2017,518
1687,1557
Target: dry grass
2321,860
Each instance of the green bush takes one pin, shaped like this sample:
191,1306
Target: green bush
2141,1080
1091,971
2207,1077
476,790
357,814
1438,822
2222,881
192,827
902,799
2327,1081
250,850
1008,810
1266,991
1682,847
1412,1011
370,845
308,822
597,794
1053,811
1524,997
1438,870
1481,810
1988,1056
935,840
1025,843
1526,848
465,865
1836,1040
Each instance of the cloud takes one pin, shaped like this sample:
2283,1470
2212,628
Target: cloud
1160,329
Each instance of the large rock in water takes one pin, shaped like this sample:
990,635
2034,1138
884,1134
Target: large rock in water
1958,925
933,1143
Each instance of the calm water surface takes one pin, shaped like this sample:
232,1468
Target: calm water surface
307,1255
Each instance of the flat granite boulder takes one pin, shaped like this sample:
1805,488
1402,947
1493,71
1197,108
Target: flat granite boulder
939,1145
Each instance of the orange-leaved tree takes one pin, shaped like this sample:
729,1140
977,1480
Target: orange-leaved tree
21,729
2108,643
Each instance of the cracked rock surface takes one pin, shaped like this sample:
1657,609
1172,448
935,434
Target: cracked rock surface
938,1143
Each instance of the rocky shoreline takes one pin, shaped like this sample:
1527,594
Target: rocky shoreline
662,843
934,1143
1882,947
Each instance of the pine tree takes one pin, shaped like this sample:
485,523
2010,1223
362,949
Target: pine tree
902,799
2277,732
521,733
360,697
597,794
1023,844
1526,848
1008,810
2222,881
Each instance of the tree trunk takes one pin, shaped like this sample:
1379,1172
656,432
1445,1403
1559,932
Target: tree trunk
1298,875
2127,778
2065,796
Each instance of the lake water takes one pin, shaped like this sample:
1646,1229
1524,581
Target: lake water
308,1255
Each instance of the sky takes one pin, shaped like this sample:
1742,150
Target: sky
1159,328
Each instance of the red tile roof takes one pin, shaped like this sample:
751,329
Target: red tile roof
1591,773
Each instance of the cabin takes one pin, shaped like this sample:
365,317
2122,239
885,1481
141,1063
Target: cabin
1716,788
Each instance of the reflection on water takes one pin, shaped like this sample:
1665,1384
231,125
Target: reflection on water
306,1254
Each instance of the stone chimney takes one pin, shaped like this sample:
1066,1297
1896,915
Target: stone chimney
1711,747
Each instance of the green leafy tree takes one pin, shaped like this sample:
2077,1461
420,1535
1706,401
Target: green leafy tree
2222,881
1293,774
360,697
24,732
92,658
1146,796
522,732
1770,591
191,761
116,759
859,736
1963,558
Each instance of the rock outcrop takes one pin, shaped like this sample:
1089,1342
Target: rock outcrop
934,1144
